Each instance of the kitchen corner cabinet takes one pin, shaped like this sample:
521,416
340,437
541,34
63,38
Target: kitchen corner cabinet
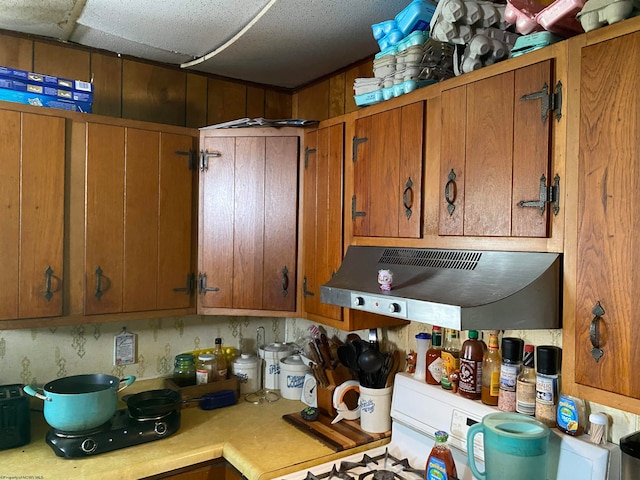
248,214
218,469
322,216
32,160
495,153
387,155
602,276
138,220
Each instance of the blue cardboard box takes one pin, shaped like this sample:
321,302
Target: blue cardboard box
45,89
46,80
41,100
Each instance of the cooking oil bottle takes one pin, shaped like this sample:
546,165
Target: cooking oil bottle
440,464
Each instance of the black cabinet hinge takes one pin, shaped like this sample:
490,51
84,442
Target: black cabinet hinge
354,212
549,101
357,141
308,151
548,194
305,292
191,161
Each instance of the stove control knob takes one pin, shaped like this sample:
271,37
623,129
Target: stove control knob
160,429
89,445
358,301
394,308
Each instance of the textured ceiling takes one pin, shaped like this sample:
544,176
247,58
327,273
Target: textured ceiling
284,43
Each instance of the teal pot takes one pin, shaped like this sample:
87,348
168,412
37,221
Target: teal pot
515,446
80,402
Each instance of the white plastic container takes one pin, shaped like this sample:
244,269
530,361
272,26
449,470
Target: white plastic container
292,372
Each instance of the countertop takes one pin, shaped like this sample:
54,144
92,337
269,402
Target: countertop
253,438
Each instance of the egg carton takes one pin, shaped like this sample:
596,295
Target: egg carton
598,13
486,47
457,21
415,17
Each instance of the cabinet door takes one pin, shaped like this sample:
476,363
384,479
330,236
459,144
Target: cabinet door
388,163
138,220
32,156
248,223
140,275
494,149
280,223
104,219
609,194
215,238
175,277
322,215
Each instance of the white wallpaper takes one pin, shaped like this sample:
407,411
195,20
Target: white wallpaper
38,356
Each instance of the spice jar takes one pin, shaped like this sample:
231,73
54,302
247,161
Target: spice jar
509,371
548,358
184,370
204,369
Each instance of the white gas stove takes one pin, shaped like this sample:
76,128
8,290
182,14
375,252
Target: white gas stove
419,410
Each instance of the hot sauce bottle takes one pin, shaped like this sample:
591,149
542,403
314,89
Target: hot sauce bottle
440,464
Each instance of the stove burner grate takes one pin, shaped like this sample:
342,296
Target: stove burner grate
380,468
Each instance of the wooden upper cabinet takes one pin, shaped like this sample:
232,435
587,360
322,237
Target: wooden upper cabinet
387,172
32,160
138,220
248,221
322,216
608,245
494,154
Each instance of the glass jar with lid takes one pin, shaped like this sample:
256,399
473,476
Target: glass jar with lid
205,368
184,370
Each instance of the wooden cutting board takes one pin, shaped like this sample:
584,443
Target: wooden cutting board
340,436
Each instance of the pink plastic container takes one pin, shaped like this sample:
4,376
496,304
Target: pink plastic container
522,14
560,17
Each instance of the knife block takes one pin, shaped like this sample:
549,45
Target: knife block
335,376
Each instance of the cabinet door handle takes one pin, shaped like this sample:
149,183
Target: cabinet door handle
202,284
594,332
285,281
407,198
450,192
99,291
47,275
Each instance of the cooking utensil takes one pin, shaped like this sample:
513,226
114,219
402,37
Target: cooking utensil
395,368
155,403
80,402
370,361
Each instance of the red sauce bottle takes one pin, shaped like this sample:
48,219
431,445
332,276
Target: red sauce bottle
470,382
440,464
434,370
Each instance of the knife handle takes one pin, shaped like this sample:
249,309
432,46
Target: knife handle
325,353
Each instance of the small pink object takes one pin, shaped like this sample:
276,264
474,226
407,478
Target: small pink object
385,279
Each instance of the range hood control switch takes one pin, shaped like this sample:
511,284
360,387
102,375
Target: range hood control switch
394,307
358,301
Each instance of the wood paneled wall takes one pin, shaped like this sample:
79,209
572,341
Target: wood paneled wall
145,91
138,90
330,97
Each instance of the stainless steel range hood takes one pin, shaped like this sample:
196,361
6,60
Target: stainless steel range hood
461,289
